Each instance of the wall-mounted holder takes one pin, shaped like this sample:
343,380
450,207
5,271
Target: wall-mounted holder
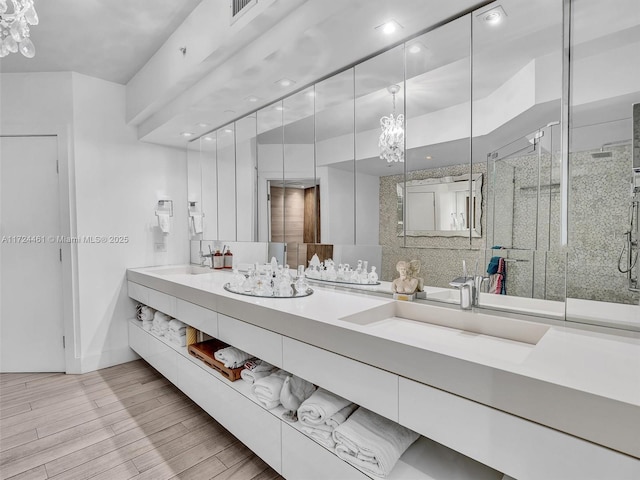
164,212
195,218
164,207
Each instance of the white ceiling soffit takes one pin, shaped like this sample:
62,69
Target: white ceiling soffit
108,39
302,40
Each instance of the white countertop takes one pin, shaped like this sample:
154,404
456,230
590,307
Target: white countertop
581,382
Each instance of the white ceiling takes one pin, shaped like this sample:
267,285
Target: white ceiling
108,39
114,39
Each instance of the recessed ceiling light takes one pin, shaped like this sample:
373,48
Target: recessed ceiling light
285,82
493,16
428,157
389,27
187,134
252,99
415,48
203,125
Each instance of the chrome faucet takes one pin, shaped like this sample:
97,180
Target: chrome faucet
469,287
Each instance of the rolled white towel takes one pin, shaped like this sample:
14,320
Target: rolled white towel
295,390
371,442
176,325
341,416
146,313
319,407
178,338
160,323
267,390
231,357
256,369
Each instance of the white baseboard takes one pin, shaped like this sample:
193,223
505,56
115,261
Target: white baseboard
106,359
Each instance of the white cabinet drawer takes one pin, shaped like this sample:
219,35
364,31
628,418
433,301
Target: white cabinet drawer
517,447
163,358
304,458
251,424
257,341
198,317
163,302
138,292
363,384
139,340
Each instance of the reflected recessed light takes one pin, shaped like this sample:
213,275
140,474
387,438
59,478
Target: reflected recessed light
252,99
228,130
187,134
311,93
493,16
203,125
416,47
389,27
428,157
209,139
279,108
285,82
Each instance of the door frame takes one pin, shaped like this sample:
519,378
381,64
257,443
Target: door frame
66,209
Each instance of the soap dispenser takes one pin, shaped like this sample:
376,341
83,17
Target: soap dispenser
228,259
218,260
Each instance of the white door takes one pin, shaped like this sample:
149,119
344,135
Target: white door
31,325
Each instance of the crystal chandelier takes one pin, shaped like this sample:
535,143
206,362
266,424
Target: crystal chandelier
14,28
391,142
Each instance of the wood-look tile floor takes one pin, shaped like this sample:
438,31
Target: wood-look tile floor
122,422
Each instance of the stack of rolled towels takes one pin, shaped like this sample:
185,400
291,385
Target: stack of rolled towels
371,442
160,324
281,388
145,315
321,413
255,370
232,357
177,333
267,389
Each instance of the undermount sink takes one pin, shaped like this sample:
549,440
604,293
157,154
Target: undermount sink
397,313
183,270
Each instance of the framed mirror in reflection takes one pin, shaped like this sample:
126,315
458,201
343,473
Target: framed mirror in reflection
440,207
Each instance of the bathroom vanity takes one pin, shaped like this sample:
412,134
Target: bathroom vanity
499,395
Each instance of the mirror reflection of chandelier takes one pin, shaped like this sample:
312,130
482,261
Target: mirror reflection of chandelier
391,142
14,27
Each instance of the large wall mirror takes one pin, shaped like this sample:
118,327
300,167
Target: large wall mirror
486,165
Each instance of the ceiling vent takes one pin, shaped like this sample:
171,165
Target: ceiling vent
240,7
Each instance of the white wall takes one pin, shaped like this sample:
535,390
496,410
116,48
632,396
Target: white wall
114,182
118,183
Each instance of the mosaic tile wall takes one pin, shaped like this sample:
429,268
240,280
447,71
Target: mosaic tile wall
598,217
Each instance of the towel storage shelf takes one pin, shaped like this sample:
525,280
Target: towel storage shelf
278,443
460,424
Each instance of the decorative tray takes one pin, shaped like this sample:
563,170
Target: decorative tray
296,294
341,282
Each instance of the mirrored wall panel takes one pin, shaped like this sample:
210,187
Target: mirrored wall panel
270,171
517,99
453,146
246,178
602,220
